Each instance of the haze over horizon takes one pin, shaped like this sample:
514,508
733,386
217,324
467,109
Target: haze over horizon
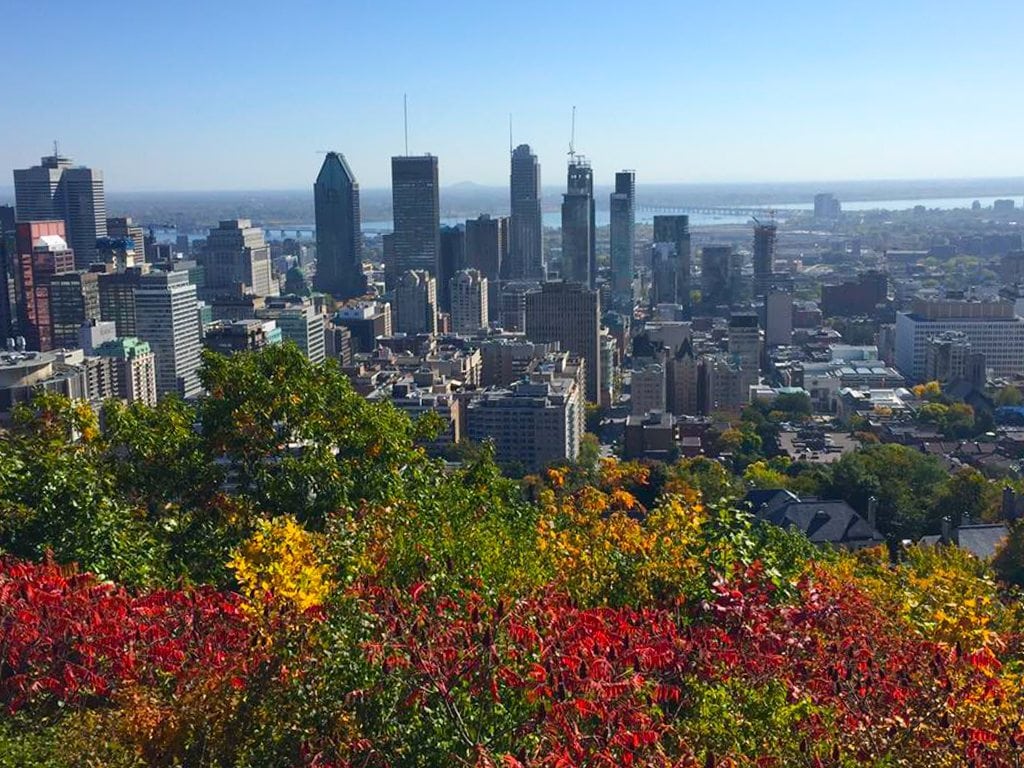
725,94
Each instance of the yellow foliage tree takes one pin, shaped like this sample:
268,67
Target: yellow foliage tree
281,563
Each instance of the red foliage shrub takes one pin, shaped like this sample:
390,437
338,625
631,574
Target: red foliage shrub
64,636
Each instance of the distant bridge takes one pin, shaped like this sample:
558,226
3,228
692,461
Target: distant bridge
716,210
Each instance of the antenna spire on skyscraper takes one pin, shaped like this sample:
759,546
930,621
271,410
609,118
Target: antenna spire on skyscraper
572,136
405,117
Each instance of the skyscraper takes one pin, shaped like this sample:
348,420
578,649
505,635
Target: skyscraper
74,302
236,258
167,316
570,314
671,260
415,304
56,189
469,301
416,208
487,244
339,238
124,227
452,259
579,259
623,234
43,254
764,255
526,236
717,276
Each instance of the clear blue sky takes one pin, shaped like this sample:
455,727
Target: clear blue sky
230,95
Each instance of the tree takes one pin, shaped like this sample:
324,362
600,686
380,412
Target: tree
904,481
1009,560
1009,396
967,494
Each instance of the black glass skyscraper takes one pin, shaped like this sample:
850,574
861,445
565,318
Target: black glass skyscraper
623,234
764,255
526,236
416,208
579,259
339,239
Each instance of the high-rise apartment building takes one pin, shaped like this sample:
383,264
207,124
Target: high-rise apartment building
532,424
134,369
416,208
526,229
237,260
57,189
579,257
647,389
569,313
623,234
167,317
300,323
42,254
125,228
339,237
415,304
469,302
670,261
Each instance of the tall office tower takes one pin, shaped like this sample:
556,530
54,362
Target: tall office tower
579,259
487,245
416,208
717,278
826,206
778,318
526,235
237,259
124,227
745,342
43,253
117,298
764,255
623,234
415,304
570,314
74,302
452,260
671,265
56,189
167,316
8,285
339,237
469,302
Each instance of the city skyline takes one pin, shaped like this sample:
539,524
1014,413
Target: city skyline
760,95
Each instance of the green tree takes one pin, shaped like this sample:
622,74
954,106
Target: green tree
904,481
1009,396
